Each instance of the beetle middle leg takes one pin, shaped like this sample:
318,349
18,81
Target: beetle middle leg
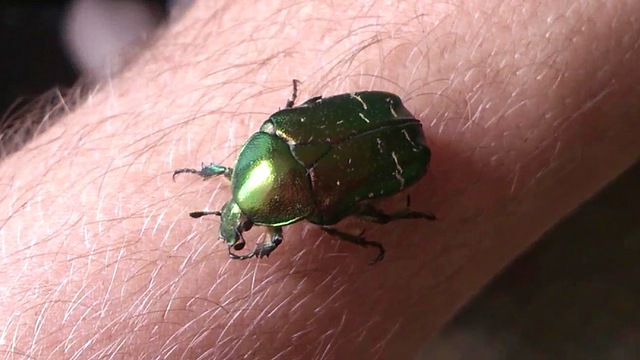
358,240
368,212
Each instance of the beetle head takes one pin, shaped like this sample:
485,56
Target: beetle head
233,224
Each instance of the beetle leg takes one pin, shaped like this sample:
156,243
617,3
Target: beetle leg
294,95
358,240
244,226
207,171
262,249
267,247
239,245
370,213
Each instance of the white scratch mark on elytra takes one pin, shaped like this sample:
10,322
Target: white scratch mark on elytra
364,105
399,171
393,111
364,118
413,145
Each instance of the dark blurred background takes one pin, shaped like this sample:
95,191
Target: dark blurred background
32,59
574,295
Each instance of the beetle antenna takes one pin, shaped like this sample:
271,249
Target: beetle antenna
199,214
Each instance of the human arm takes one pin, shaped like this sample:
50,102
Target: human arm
529,109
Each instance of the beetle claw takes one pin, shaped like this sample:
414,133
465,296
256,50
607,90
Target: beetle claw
380,256
427,215
265,249
240,257
261,250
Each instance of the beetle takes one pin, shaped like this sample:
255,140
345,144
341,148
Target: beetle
321,161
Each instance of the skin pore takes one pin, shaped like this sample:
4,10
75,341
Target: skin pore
529,109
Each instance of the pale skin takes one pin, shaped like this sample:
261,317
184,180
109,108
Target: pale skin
529,109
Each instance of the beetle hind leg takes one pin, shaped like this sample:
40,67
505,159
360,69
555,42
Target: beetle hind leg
358,240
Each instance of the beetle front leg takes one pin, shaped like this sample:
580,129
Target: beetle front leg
267,247
358,240
264,248
207,171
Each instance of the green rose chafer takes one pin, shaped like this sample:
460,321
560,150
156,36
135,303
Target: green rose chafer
322,161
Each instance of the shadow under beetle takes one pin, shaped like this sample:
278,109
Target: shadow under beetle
321,161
